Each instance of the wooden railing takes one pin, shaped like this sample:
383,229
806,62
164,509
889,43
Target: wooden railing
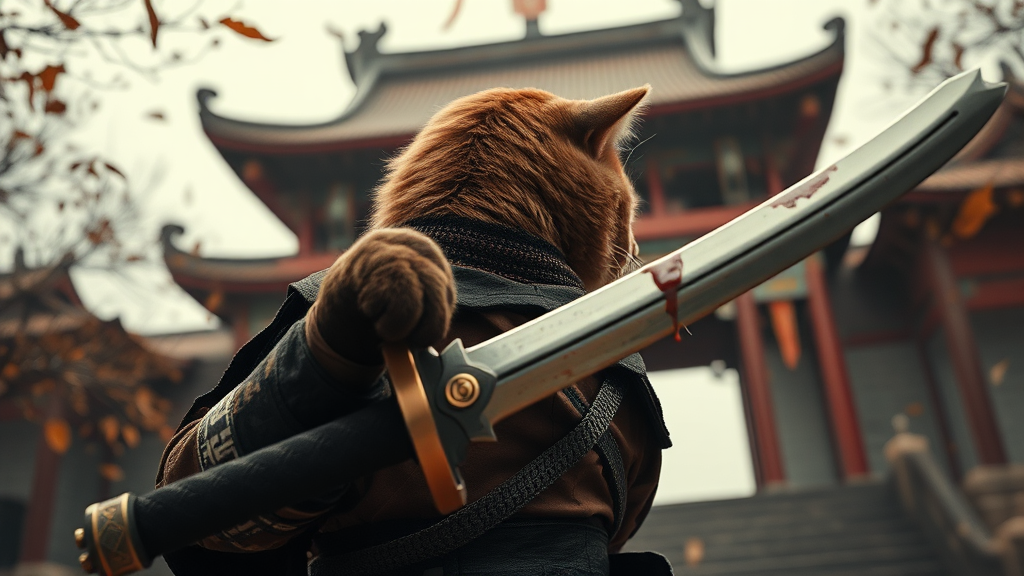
928,495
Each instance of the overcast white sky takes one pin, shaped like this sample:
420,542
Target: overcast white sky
300,78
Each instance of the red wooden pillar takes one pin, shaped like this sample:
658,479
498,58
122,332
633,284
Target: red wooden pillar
757,391
846,433
655,188
963,354
39,513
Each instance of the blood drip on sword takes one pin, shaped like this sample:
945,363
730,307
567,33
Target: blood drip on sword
667,277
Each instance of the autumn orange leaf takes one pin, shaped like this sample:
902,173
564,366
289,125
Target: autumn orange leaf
113,169
154,22
787,334
131,435
214,300
10,371
240,27
66,19
48,76
55,107
57,433
110,428
975,210
926,51
111,472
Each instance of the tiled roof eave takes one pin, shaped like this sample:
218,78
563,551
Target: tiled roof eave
227,133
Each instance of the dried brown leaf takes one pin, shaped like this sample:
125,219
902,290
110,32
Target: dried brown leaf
55,107
154,22
57,433
926,51
243,29
131,435
48,77
66,19
111,472
113,169
110,428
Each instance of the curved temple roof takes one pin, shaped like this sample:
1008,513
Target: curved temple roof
254,275
397,93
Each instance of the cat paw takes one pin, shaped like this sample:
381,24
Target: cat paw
392,285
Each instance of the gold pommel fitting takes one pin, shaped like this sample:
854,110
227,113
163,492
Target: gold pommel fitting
110,538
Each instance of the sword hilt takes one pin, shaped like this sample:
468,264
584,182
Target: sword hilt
441,424
110,538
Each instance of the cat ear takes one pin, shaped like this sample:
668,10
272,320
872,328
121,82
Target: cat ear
602,121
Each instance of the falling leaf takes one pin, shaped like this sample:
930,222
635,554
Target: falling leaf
241,28
926,51
998,372
111,472
57,433
101,233
109,428
48,77
166,433
154,22
55,107
974,212
66,19
156,115
10,372
131,435
783,315
202,22
914,409
113,169
18,135
451,17
693,551
214,300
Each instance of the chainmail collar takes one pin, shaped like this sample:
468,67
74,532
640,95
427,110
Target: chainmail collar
498,249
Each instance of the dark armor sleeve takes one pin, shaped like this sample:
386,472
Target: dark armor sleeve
287,393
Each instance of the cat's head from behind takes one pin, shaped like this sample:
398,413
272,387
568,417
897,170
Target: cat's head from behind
530,160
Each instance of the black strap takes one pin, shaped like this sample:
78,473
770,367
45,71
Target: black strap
611,460
471,521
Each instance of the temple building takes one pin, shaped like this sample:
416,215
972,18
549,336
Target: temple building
714,145
923,326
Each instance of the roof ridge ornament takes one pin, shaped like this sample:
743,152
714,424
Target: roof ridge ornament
361,60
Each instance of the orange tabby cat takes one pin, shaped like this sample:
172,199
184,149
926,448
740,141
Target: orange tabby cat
516,199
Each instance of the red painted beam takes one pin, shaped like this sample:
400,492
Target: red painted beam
842,411
998,293
757,392
689,224
963,354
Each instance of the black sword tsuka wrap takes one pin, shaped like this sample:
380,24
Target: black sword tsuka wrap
471,521
303,466
288,392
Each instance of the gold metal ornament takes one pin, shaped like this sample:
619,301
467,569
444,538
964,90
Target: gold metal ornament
462,390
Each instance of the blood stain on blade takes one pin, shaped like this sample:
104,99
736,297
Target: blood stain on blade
668,275
805,190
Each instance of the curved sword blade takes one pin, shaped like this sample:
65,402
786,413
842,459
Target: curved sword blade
563,346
